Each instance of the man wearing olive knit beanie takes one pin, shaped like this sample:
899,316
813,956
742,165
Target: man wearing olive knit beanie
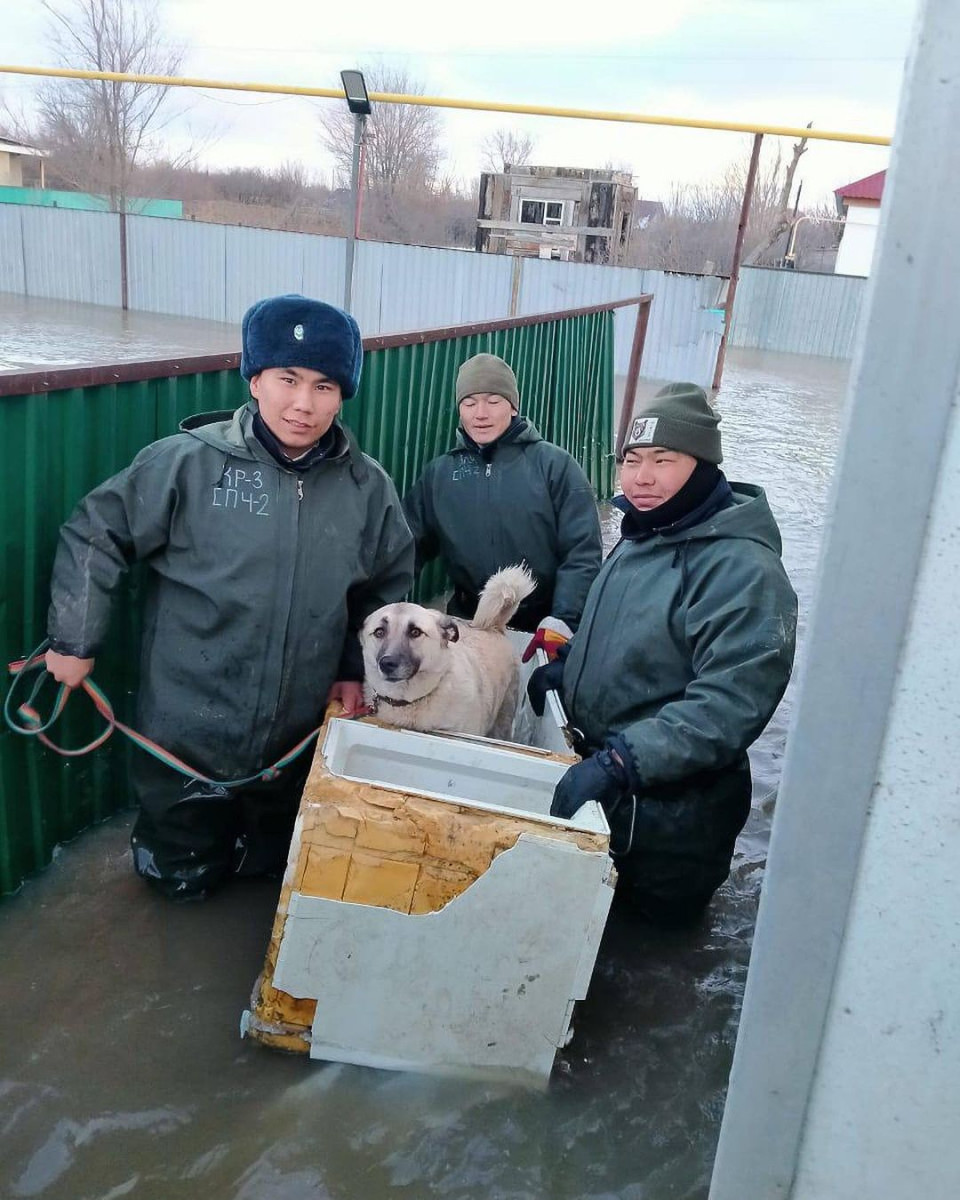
684,650
504,495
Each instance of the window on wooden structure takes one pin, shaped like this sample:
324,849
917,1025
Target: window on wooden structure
531,212
624,228
541,212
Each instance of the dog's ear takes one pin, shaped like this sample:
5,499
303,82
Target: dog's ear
450,631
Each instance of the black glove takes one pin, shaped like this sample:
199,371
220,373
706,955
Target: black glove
547,678
599,777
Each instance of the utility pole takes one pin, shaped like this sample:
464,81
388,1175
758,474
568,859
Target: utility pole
355,91
737,253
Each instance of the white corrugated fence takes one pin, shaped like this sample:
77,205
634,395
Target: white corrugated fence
215,272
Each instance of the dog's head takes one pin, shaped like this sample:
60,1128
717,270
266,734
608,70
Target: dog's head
404,641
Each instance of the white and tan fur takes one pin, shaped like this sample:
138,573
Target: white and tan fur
427,670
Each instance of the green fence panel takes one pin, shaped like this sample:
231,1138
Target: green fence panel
60,444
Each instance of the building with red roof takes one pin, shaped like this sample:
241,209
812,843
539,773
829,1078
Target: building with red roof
863,190
859,203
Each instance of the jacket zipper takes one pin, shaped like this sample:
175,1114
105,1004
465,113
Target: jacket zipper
491,527
289,606
575,684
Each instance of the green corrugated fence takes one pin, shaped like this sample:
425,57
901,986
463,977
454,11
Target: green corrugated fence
60,441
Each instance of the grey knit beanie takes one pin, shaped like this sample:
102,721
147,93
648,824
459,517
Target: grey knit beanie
679,417
487,373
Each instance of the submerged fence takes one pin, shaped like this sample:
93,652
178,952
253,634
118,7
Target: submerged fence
797,312
214,272
66,431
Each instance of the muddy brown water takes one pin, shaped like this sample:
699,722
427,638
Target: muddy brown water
122,1072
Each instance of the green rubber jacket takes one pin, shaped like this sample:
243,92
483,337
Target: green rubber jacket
530,503
686,644
258,579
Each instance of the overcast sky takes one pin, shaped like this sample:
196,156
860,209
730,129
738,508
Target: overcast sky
838,63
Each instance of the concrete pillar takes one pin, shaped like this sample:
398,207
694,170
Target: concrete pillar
846,1076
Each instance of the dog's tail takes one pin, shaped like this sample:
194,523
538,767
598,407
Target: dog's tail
501,597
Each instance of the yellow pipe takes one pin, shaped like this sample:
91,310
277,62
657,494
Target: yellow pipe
535,110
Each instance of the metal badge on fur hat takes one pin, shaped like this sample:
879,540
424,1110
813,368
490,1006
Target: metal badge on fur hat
490,374
679,417
294,331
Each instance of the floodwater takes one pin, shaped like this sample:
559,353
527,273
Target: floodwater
56,334
121,1068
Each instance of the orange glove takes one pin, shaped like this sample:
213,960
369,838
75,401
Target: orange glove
551,634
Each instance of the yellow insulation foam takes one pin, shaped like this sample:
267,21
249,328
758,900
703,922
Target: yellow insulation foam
372,845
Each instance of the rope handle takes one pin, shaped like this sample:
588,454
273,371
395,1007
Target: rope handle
26,721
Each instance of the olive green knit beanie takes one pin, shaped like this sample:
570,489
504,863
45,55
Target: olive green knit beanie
487,373
679,417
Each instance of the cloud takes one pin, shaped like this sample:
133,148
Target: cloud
838,63
298,29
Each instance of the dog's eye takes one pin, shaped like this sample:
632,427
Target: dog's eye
414,632
379,632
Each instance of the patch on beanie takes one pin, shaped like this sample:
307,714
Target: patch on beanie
643,431
298,332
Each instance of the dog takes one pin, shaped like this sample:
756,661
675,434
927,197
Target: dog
430,671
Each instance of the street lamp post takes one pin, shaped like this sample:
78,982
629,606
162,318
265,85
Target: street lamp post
790,255
355,90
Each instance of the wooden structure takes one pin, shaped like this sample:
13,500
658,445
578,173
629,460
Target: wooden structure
556,213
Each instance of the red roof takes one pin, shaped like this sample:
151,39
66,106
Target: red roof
870,188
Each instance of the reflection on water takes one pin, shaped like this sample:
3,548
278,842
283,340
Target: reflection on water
121,1069
54,333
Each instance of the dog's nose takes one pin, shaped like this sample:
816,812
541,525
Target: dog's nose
388,663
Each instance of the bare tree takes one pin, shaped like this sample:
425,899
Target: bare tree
622,167
99,128
402,140
779,222
15,124
697,230
505,148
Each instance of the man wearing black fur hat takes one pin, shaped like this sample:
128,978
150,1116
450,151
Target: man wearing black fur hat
683,653
269,537
504,495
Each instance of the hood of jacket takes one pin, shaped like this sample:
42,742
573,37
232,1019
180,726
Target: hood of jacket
748,517
526,435
231,431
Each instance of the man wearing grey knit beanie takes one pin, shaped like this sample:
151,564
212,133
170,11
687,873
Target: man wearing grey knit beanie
504,495
683,653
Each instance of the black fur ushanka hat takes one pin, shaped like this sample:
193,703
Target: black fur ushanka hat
294,331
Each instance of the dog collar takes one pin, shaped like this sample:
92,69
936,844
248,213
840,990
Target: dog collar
377,698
